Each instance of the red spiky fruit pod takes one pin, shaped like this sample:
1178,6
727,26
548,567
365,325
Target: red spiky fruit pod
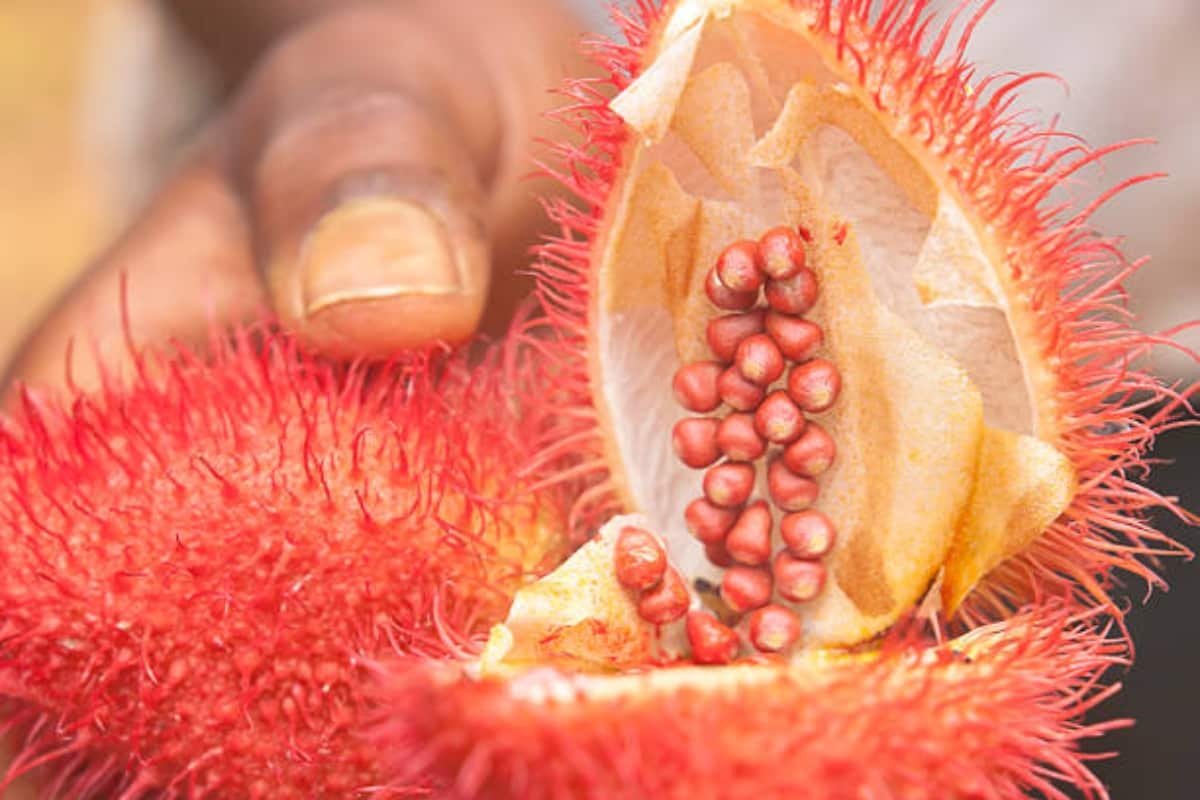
198,565
832,340
994,715
836,308
1020,293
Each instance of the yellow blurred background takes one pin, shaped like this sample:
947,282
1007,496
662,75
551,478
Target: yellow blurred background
52,214
95,97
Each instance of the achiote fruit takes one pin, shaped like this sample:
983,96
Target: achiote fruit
811,483
201,568
821,211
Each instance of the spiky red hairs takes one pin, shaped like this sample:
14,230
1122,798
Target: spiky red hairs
921,721
199,567
204,570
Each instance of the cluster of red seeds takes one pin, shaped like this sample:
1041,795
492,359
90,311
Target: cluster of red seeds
754,345
641,566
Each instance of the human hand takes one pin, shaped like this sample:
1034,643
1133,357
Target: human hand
364,184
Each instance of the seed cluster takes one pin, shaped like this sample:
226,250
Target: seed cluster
641,566
765,377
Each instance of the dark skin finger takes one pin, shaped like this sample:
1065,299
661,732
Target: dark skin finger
367,193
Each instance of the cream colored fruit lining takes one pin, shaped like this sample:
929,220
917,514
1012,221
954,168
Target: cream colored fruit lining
742,127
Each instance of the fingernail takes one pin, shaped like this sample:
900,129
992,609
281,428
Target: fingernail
374,249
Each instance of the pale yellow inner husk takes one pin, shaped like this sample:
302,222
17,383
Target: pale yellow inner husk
946,461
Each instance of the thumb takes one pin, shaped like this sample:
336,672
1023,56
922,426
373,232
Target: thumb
365,147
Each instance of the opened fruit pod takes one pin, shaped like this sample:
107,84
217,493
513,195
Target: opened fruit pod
812,478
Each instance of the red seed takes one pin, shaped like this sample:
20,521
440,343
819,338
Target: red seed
812,454
778,419
782,253
791,492
798,580
666,602
815,385
774,628
759,360
695,441
725,298
695,386
794,295
738,267
717,555
798,339
738,439
729,484
707,522
808,534
712,642
737,392
639,558
746,588
749,540
726,332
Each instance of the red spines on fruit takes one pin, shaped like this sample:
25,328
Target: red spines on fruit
935,103
896,721
199,565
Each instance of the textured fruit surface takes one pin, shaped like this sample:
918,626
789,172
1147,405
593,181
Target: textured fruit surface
269,577
980,459
199,568
989,717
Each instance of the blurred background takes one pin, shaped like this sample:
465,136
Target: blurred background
98,96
